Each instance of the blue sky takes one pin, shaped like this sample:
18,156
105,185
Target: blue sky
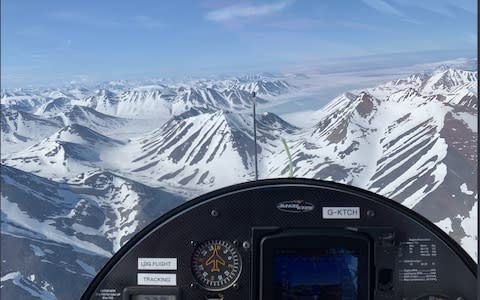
53,42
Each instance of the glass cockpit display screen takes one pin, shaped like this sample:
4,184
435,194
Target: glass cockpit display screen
326,274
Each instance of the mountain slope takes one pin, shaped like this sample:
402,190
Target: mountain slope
68,152
21,129
89,117
419,149
66,232
193,147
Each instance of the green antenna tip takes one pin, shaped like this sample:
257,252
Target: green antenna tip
290,162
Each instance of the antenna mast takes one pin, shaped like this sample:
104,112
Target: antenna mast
254,98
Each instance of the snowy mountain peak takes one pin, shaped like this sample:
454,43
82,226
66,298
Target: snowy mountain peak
87,116
448,80
412,81
206,142
265,87
272,121
365,104
71,150
83,135
21,129
54,106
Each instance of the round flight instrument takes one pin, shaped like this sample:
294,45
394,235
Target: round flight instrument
216,265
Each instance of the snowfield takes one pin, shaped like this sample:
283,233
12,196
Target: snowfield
85,168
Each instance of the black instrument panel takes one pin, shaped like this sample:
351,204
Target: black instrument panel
288,239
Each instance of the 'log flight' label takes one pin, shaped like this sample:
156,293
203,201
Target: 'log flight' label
157,263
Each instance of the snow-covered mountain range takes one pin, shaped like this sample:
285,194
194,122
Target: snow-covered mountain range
55,236
83,169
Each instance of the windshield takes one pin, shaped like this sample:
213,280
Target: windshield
113,113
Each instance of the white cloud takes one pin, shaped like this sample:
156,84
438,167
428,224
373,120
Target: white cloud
384,7
139,21
442,7
243,11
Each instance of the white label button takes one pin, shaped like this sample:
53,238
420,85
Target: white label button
157,263
341,212
157,279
